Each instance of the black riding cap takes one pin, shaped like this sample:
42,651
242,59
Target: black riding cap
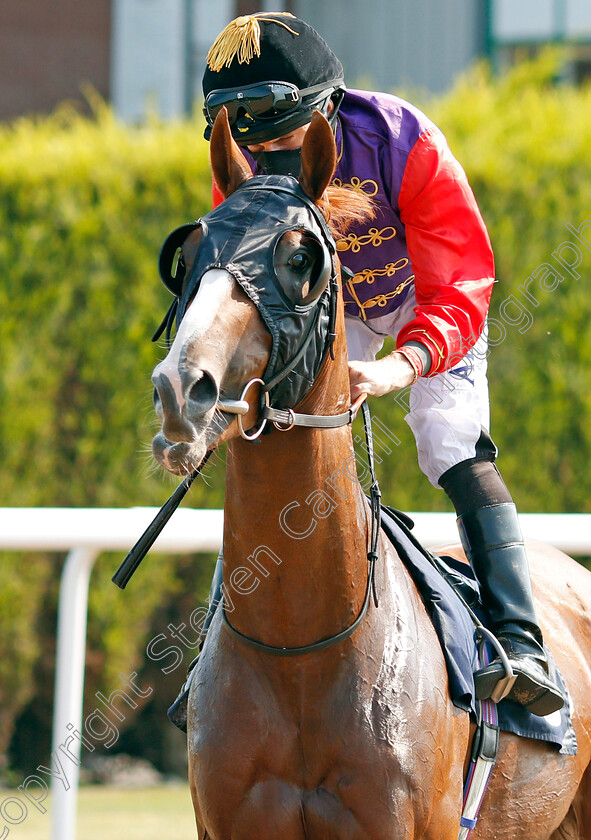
273,48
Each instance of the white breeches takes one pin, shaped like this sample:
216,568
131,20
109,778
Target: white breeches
447,412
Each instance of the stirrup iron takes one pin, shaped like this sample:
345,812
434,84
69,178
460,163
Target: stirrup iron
506,683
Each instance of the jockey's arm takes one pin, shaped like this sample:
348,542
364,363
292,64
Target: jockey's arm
377,378
453,263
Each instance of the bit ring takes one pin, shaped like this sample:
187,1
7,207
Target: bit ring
261,428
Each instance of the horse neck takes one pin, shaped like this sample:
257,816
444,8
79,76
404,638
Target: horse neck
296,524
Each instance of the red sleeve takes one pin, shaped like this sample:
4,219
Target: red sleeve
216,196
450,252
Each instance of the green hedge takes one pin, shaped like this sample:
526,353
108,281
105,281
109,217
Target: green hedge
84,207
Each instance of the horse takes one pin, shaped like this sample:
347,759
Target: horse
351,734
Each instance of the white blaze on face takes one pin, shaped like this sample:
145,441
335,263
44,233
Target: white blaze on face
214,290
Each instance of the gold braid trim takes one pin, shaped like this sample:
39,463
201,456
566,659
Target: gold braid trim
368,275
353,242
242,39
368,187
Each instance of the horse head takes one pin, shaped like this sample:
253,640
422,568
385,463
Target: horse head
255,287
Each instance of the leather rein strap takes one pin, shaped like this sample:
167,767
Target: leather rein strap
148,538
315,646
372,556
287,418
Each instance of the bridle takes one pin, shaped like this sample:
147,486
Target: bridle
283,419
304,359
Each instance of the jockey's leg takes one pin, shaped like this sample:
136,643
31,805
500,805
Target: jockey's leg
491,537
177,713
448,414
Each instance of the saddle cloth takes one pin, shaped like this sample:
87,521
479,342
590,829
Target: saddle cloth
456,632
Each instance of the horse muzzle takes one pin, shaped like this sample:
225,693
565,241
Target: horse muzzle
178,458
186,415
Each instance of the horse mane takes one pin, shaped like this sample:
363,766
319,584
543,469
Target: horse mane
344,206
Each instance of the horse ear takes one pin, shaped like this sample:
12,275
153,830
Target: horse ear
319,157
229,166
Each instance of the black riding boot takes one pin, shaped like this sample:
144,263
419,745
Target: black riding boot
177,713
491,537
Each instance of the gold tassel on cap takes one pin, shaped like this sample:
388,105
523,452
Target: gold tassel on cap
241,38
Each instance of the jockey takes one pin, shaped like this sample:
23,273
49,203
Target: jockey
422,273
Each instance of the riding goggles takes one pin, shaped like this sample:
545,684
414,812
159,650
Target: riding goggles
261,101
264,108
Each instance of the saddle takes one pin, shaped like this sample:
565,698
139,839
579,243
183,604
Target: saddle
450,593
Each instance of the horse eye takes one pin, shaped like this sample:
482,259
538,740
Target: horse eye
299,261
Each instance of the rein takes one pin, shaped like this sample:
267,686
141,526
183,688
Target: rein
146,541
315,646
372,556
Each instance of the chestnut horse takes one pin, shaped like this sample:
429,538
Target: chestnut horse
359,739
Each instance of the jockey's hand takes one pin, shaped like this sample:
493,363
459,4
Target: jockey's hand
380,376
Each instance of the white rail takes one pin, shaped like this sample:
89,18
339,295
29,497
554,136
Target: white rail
84,533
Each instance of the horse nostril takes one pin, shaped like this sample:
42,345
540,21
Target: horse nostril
157,402
203,393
